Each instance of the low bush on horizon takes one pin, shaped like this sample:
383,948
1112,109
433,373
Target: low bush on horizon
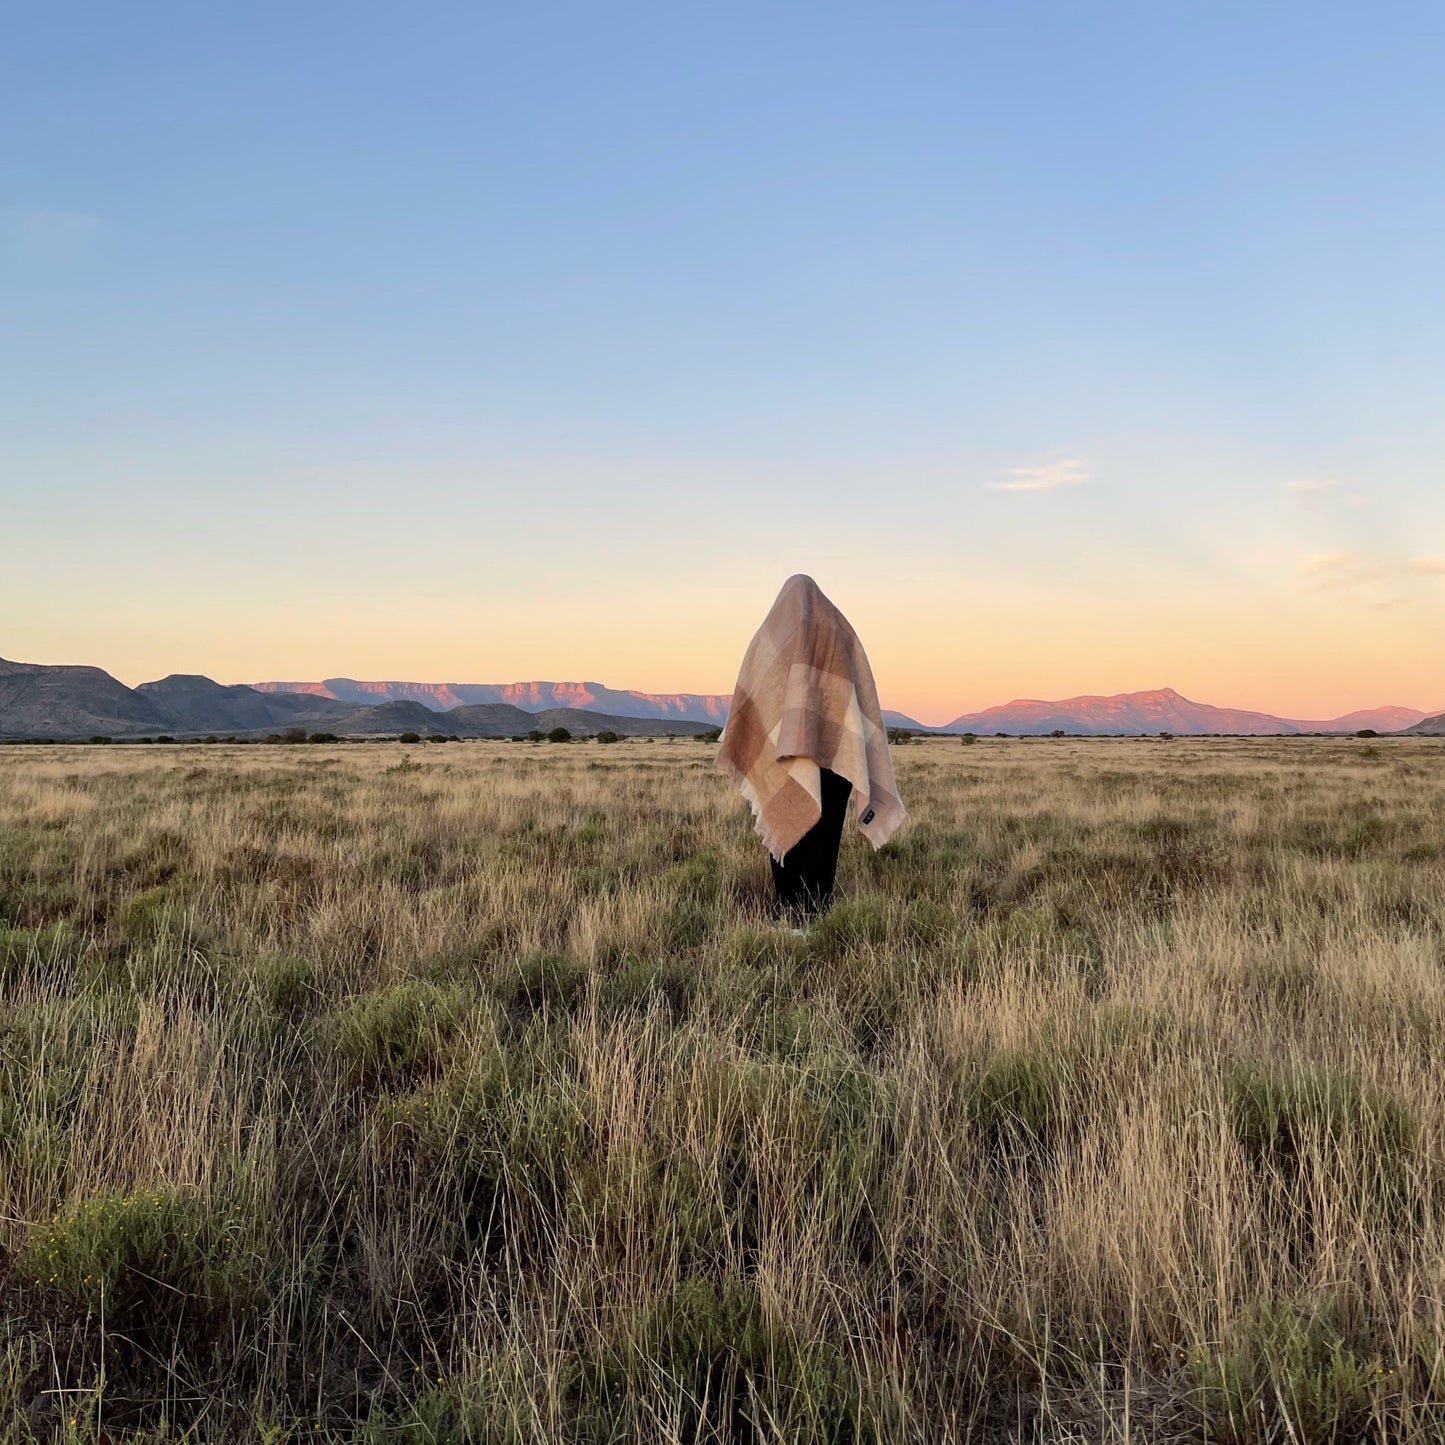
479,1097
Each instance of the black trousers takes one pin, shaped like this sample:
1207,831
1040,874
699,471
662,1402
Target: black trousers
804,879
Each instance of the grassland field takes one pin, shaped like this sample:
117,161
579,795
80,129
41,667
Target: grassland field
471,1093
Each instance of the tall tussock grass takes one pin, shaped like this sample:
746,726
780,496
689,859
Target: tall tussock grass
368,1095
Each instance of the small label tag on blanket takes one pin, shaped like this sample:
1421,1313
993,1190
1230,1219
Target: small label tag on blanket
866,818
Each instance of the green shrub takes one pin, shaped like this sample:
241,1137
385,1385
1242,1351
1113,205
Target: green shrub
639,982
314,738
787,1031
872,921
726,1372
409,738
559,735
544,982
968,739
759,952
390,1037
1020,1097
141,918
608,736
1367,836
1277,1114
1332,836
43,950
853,922
285,983
698,878
438,1415
158,1263
1283,1372
689,923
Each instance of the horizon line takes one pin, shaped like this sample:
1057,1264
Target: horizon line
951,717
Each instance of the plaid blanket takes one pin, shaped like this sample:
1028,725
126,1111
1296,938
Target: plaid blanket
804,701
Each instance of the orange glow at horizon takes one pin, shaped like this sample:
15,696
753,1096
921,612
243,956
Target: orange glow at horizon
936,652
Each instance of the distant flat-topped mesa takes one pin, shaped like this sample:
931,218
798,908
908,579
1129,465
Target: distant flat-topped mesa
710,708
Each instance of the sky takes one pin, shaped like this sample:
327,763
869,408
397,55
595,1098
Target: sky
1071,348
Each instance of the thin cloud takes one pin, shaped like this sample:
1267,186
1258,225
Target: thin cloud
1330,564
1369,578
1339,569
1049,478
1305,486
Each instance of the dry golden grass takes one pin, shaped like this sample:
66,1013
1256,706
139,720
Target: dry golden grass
471,1093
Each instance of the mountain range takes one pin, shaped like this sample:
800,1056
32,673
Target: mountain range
40,701
708,708
43,701
1164,710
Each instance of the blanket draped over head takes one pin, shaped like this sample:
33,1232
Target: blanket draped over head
805,701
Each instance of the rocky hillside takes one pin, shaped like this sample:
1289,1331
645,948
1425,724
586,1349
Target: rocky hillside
583,722
485,720
495,720
37,701
477,720
1382,719
192,703
1433,727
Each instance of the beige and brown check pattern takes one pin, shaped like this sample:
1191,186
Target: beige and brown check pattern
804,701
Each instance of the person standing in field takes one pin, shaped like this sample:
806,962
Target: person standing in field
805,735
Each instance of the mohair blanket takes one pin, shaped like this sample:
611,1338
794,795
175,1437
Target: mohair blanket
805,701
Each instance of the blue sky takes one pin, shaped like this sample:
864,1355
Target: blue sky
1070,347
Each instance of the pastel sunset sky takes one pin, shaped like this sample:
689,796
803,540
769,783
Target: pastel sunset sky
1071,347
